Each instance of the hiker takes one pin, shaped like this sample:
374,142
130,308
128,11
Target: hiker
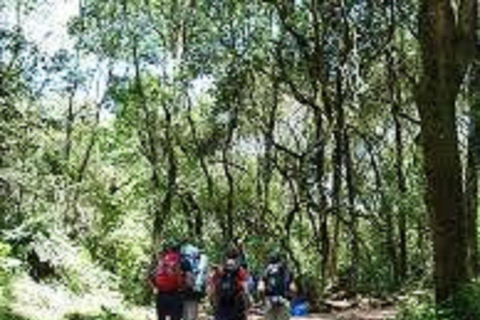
168,279
253,284
196,280
230,289
213,276
276,285
238,247
241,257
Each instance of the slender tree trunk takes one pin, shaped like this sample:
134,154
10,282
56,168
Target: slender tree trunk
334,245
72,220
402,188
198,224
230,210
471,190
168,147
230,197
355,253
203,164
69,126
146,131
268,138
385,212
266,160
401,269
323,217
473,165
337,168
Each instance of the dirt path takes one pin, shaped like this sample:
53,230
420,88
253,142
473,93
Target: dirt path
384,314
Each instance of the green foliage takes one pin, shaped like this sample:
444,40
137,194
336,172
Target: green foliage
4,276
464,306
191,119
419,312
417,306
104,315
7,276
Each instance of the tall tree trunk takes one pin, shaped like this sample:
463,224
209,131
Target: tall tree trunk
337,169
146,131
203,164
402,189
230,209
166,206
471,190
385,211
69,125
230,197
395,97
442,166
473,165
447,44
266,161
320,172
355,253
72,219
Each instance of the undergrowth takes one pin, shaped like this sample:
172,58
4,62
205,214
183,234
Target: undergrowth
464,306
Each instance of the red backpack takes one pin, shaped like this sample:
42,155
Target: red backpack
169,276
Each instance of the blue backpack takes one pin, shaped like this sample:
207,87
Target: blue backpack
199,266
277,280
300,308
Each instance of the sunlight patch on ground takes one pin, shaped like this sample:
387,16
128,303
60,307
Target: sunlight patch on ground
40,302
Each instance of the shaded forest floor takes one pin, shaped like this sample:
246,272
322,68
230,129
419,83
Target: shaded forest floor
343,311
350,314
383,314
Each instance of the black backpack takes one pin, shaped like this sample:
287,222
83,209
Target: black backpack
228,286
276,280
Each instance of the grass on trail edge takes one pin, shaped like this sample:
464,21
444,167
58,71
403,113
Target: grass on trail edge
30,300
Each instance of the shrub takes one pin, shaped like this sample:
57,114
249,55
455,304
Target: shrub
417,311
466,306
463,306
5,279
104,315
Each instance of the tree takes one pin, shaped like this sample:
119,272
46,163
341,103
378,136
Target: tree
447,47
471,179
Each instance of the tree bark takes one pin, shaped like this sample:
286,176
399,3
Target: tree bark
148,140
266,160
402,189
229,232
471,190
471,187
355,253
69,126
337,173
395,97
166,205
203,164
323,217
446,51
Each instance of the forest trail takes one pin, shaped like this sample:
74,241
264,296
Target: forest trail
351,314
387,313
344,309
380,314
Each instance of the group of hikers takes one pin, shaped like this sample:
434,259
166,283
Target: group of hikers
181,278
